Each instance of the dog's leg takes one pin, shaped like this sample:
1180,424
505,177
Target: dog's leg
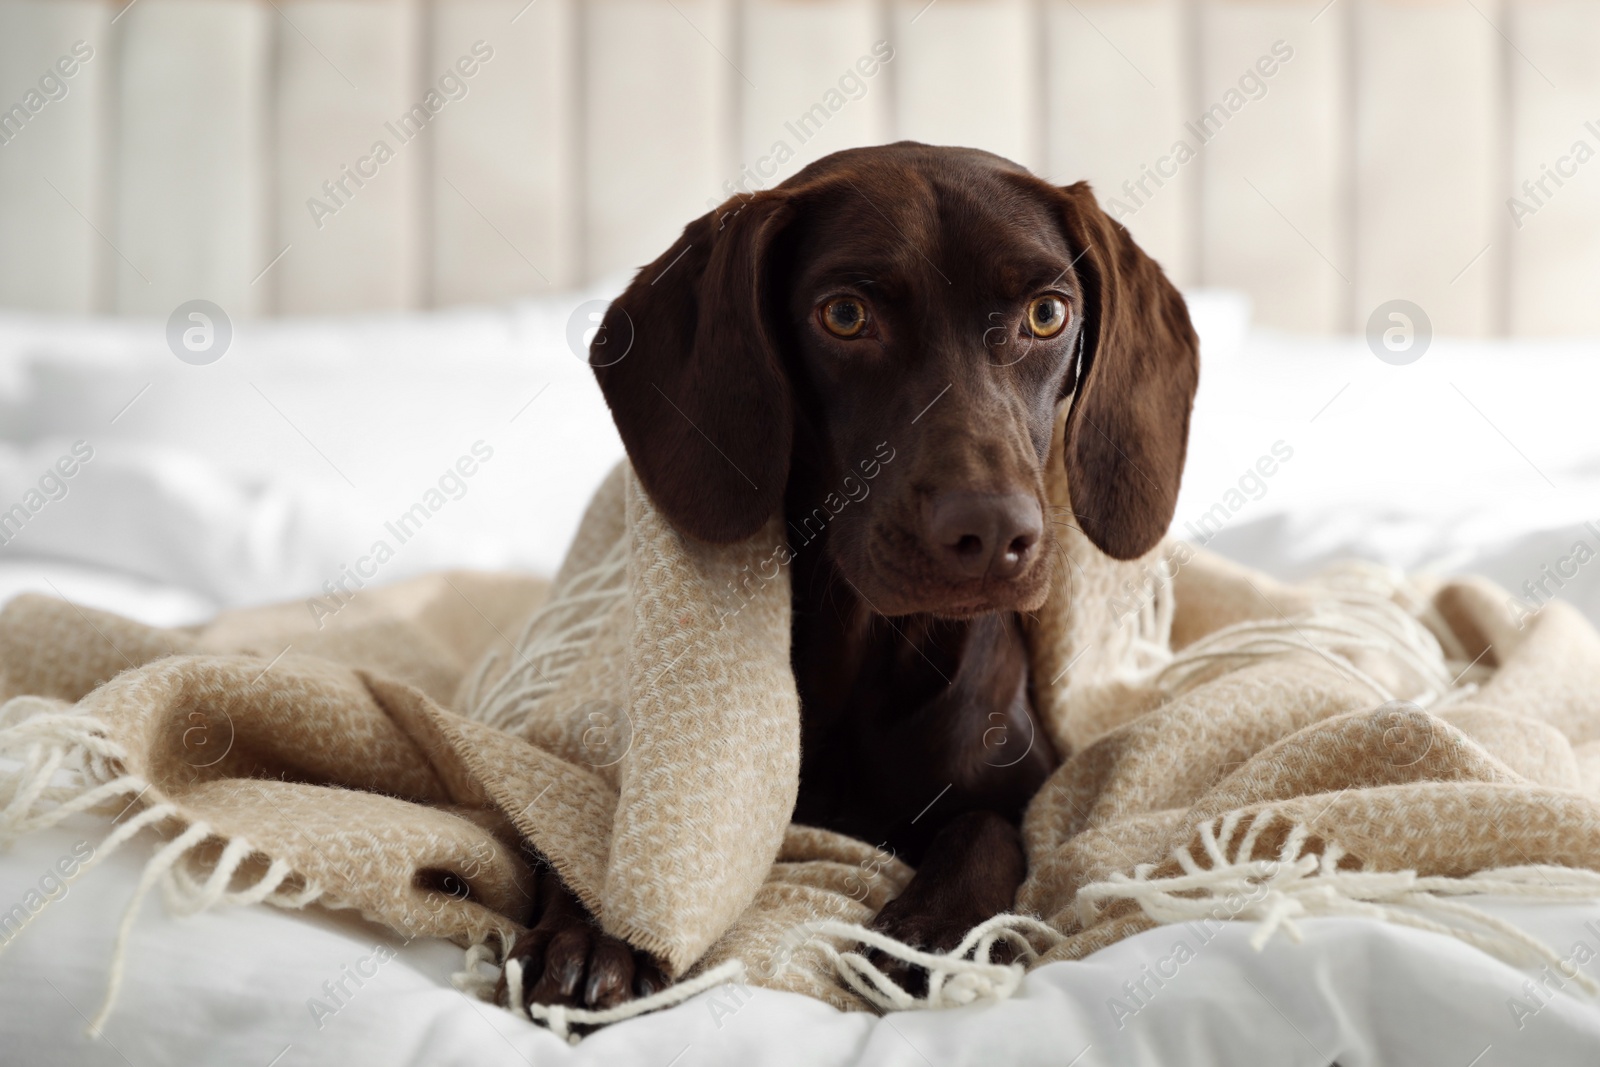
970,873
567,959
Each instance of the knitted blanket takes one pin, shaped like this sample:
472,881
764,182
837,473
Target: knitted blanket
1236,748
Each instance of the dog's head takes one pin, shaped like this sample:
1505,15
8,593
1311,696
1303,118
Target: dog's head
933,305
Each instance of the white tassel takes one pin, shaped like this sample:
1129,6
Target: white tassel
110,845
186,896
514,998
550,645
159,864
560,1019
25,707
480,969
961,976
1359,611
1300,885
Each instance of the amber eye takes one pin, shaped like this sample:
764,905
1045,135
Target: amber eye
844,317
1047,315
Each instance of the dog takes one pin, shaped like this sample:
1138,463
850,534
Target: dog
911,317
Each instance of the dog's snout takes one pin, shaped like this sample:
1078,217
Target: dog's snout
976,534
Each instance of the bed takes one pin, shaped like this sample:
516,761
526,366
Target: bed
267,473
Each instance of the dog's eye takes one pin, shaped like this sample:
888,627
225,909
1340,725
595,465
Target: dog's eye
1046,316
844,317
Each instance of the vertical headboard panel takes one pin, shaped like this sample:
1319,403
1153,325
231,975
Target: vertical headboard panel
1429,91
1117,85
189,160
565,141
346,223
1270,127
51,174
657,126
504,217
968,72
793,55
346,217
1554,237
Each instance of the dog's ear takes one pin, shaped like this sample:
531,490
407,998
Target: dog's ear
1128,429
700,396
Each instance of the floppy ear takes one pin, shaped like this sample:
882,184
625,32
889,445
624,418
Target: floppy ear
700,397
1128,429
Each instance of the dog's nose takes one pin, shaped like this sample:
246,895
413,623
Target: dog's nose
975,534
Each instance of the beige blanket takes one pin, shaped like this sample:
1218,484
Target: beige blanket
1238,749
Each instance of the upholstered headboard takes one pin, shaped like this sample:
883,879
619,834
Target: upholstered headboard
286,156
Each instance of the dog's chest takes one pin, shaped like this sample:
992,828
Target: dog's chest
910,721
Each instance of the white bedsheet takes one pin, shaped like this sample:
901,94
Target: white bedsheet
234,987
259,477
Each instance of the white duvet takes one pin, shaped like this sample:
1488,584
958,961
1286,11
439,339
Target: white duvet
270,472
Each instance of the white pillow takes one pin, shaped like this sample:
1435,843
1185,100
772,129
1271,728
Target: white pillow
264,474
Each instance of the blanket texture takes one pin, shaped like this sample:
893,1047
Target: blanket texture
1234,748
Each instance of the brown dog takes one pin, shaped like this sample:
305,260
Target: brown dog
878,347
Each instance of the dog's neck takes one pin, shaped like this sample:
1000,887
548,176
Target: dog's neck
844,648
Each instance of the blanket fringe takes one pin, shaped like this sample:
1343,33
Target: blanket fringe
47,742
550,646
1298,884
964,975
1364,607
560,1019
472,979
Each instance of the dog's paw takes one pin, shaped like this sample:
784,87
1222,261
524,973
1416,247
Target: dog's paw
567,959
911,922
579,965
931,922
